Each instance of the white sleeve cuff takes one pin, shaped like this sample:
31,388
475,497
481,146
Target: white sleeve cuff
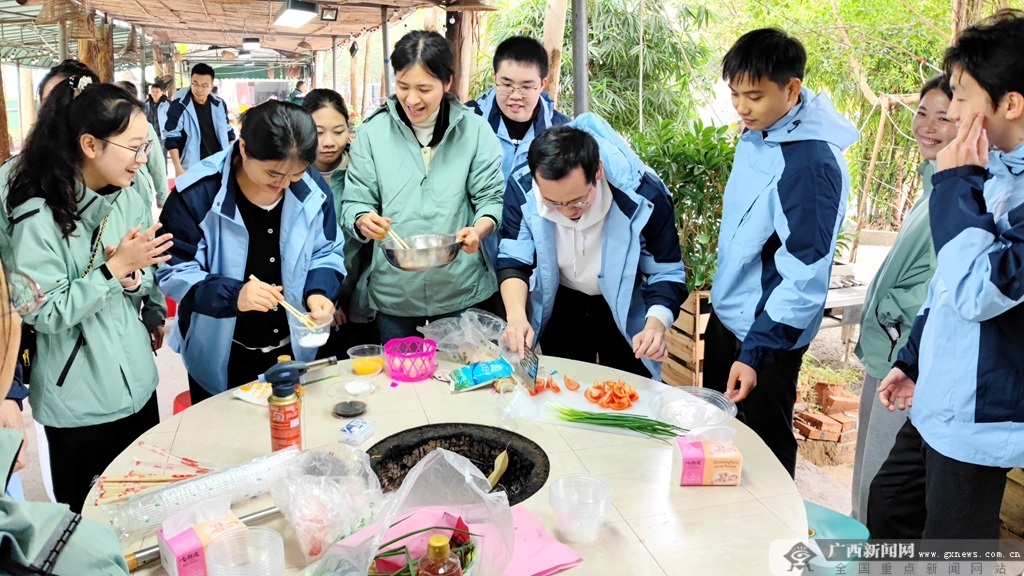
134,286
662,313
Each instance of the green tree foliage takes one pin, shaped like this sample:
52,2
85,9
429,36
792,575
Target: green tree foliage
614,52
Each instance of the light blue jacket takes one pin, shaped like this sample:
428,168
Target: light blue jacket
207,267
966,350
513,152
181,130
641,262
783,208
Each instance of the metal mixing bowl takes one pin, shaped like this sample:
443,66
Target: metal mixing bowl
425,252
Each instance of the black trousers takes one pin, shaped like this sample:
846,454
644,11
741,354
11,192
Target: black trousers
79,455
347,336
919,493
768,409
582,328
244,366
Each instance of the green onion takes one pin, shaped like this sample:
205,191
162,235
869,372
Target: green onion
642,424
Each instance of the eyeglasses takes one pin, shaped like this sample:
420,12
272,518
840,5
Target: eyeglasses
508,89
578,204
24,293
199,86
140,151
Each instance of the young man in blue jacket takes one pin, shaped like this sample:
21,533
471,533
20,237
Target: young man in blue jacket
517,108
197,122
962,370
599,230
783,207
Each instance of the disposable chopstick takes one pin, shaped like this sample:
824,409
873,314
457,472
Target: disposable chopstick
394,236
302,317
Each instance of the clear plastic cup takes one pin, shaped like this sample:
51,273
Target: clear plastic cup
513,406
367,360
250,552
580,503
310,337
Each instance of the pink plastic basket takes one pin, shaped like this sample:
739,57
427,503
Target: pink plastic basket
411,359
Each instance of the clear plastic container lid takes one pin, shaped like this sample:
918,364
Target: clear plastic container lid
691,407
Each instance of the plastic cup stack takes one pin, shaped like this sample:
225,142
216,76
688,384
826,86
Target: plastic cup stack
580,503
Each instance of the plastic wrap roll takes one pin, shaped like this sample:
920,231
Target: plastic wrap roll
142,515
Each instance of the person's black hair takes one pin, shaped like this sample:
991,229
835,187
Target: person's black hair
324,98
203,69
937,82
278,130
300,84
158,84
429,49
67,69
559,150
130,87
765,53
49,165
990,52
522,50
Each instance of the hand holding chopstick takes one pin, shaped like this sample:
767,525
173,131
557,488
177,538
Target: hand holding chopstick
376,227
278,292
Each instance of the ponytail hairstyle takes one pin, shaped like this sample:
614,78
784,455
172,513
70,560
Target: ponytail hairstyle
65,70
277,130
324,98
428,49
49,165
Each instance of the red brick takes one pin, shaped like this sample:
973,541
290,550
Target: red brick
848,420
848,437
812,433
839,403
822,422
822,390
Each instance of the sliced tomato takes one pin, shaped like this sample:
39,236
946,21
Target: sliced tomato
633,395
598,385
540,385
620,404
620,391
593,394
571,384
555,388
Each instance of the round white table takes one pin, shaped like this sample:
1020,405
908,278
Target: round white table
655,527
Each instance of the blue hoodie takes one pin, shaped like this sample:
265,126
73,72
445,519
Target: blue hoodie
641,262
513,153
181,129
206,271
783,209
966,350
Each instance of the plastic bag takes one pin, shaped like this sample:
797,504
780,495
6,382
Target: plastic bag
475,336
442,479
329,494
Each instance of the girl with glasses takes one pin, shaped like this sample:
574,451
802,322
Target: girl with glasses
81,236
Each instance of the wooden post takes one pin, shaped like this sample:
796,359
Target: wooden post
105,39
5,133
334,63
88,50
580,43
142,62
385,73
366,79
456,35
554,39
965,13
884,103
27,100
62,40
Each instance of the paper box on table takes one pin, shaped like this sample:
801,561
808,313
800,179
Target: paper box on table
185,536
706,463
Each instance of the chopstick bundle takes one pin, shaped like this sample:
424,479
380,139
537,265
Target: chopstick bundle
304,318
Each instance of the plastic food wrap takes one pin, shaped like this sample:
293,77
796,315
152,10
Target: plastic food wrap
328,495
475,336
442,480
142,515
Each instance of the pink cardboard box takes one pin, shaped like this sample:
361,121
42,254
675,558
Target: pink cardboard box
185,553
709,463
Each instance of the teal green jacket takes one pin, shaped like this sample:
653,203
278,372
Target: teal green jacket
31,531
464,184
94,362
156,168
355,295
151,183
899,288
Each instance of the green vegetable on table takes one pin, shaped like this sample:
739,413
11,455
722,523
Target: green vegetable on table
642,424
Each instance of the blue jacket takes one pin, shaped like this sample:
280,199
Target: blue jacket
207,267
513,153
783,208
181,130
966,350
642,265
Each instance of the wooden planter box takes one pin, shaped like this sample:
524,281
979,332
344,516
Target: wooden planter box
685,363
